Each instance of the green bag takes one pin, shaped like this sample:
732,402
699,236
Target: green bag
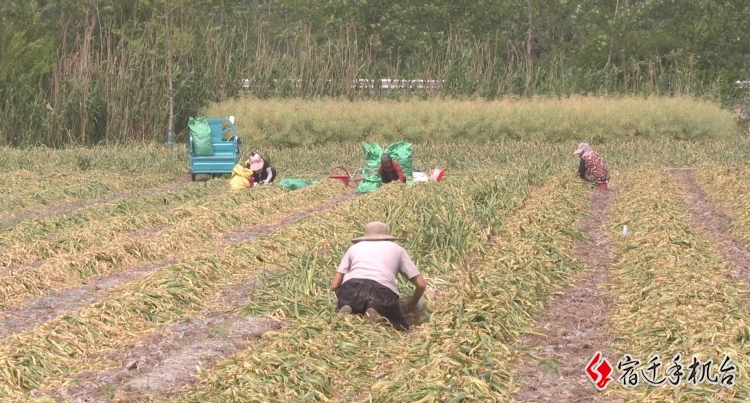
371,181
373,152
401,152
201,133
294,184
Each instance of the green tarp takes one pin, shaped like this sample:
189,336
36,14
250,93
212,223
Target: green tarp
201,133
400,152
294,184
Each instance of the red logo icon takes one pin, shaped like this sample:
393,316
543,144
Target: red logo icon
599,370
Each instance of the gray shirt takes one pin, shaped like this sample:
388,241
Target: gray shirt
380,261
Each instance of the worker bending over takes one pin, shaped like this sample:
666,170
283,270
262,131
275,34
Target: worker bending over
263,172
365,282
592,167
390,170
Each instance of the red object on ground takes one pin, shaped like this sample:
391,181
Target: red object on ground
438,174
342,178
602,186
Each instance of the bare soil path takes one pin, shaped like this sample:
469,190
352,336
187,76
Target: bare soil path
573,329
710,219
167,360
61,302
67,208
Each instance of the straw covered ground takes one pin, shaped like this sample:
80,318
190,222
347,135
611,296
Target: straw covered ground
121,280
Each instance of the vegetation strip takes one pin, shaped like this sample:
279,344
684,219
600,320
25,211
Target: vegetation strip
458,352
100,233
75,187
728,187
47,355
67,301
191,285
296,122
573,326
61,302
40,213
672,294
135,206
202,233
709,219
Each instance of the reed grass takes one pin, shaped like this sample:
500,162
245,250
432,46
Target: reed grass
108,83
292,123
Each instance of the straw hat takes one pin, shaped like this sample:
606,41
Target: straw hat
582,148
375,231
256,163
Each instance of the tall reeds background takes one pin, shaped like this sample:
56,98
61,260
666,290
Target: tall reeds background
108,83
298,122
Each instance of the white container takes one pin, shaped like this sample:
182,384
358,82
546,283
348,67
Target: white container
419,177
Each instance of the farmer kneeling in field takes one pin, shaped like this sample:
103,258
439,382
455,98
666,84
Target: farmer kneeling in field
263,172
390,170
365,282
592,167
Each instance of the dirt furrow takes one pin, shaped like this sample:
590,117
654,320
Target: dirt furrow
61,302
573,328
67,208
167,360
710,219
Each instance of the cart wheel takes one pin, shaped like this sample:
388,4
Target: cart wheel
192,176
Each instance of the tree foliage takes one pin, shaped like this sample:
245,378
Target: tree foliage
89,71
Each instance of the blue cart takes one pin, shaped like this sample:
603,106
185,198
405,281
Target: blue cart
226,152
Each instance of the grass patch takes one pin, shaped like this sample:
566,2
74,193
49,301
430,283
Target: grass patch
597,119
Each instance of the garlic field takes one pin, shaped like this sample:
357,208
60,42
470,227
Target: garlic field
122,281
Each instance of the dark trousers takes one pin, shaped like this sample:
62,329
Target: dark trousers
361,294
263,175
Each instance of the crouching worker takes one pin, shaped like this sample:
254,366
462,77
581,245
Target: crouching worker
365,282
390,170
263,172
592,167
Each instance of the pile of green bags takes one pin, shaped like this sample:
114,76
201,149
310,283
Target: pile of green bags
400,152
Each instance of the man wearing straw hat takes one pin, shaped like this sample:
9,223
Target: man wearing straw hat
592,167
365,282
